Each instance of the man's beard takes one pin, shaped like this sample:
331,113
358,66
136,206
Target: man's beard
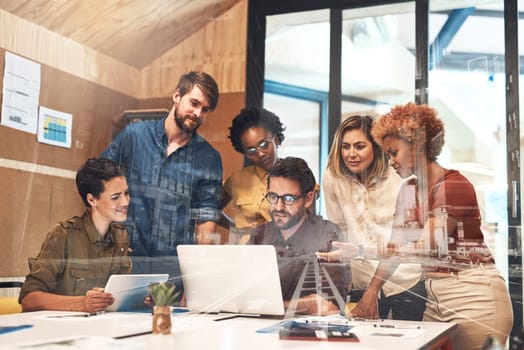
292,219
180,123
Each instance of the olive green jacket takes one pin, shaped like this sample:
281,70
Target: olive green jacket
74,258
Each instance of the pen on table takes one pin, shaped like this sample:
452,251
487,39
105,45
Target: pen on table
78,315
236,316
397,326
133,335
366,319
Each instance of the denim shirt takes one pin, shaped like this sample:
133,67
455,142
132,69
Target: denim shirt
168,194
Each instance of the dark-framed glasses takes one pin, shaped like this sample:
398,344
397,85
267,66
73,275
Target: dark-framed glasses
262,146
287,199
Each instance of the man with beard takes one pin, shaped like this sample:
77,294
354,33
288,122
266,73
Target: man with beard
174,176
308,287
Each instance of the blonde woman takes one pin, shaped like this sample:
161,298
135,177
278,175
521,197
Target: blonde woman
360,191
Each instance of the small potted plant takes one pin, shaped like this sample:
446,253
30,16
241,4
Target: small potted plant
162,296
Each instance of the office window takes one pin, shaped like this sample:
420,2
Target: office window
301,118
378,68
467,73
467,87
297,56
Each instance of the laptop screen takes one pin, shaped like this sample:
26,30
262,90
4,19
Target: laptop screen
241,279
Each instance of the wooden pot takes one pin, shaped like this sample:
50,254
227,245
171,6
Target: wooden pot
161,319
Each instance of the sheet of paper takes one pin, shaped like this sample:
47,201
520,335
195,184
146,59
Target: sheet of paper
333,320
398,333
55,127
21,92
83,343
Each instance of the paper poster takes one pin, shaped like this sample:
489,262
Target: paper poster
54,127
21,91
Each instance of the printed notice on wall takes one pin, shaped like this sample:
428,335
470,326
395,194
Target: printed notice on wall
54,127
21,91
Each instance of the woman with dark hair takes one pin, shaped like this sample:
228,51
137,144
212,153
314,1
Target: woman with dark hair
360,189
78,255
437,223
256,133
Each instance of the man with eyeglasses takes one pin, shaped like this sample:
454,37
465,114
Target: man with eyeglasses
298,233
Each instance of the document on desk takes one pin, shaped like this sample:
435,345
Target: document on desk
397,330
82,343
327,331
119,323
331,320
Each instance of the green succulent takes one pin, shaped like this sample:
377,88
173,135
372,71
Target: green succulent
163,294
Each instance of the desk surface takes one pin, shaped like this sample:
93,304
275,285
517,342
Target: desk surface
197,331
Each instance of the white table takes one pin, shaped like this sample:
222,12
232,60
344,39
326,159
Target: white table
197,331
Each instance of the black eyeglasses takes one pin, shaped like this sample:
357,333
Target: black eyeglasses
263,146
287,199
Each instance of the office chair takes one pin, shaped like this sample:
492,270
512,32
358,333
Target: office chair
9,304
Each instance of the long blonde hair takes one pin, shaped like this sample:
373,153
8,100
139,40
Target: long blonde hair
336,165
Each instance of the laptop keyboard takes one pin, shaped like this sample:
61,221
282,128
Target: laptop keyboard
316,278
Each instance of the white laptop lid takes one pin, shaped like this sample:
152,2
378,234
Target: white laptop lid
240,279
129,291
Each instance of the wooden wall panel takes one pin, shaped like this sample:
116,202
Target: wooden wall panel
218,49
96,90
216,131
114,27
30,204
93,108
31,201
37,43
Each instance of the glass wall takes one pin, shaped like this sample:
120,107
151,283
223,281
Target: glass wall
466,84
378,68
301,118
460,68
467,87
297,64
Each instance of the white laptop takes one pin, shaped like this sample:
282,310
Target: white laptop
241,279
129,291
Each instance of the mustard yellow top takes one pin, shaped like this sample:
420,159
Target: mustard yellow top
247,188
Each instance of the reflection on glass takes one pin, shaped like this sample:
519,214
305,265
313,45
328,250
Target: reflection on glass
297,63
378,64
467,87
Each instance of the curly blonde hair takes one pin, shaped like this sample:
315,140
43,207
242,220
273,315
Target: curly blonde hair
408,122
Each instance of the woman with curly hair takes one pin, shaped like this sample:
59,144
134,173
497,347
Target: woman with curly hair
256,133
360,190
437,223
